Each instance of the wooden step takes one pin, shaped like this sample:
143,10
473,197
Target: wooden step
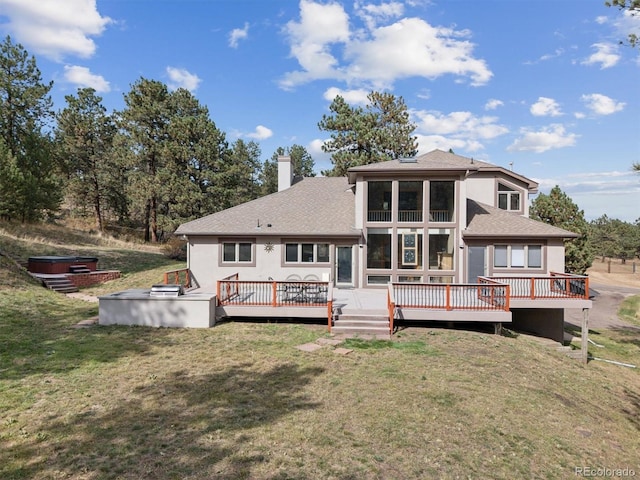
79,269
362,324
59,283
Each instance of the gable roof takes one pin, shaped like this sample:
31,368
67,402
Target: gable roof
436,161
320,206
486,221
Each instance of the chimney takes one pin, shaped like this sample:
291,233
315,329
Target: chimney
285,172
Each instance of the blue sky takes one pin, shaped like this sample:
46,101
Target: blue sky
538,86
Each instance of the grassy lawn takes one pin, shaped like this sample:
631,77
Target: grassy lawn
240,401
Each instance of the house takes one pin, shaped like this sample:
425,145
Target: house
437,218
439,237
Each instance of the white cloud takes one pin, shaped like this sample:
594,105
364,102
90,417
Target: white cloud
460,124
427,143
606,55
599,193
372,14
310,39
457,130
626,24
553,136
545,107
82,77
321,159
54,29
181,78
601,104
413,48
493,103
350,96
238,34
261,133
376,56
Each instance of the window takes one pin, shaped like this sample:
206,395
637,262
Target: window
237,252
306,253
378,279
409,279
378,249
409,201
410,249
441,201
379,201
517,256
441,279
441,243
508,198
534,256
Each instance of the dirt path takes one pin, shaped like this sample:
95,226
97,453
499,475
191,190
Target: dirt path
606,303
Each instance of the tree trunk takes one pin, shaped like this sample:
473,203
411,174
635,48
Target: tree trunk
97,208
154,219
147,211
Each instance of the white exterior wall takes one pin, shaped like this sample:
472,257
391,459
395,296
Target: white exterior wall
136,307
555,255
360,204
481,189
285,172
206,267
459,253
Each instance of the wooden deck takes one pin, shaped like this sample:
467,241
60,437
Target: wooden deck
492,299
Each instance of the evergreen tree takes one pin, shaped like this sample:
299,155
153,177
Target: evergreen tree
25,109
239,178
614,238
143,147
84,137
558,209
301,162
179,164
379,132
196,153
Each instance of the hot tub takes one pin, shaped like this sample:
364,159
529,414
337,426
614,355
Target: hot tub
56,265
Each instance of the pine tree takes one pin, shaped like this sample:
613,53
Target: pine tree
379,132
25,109
558,209
84,140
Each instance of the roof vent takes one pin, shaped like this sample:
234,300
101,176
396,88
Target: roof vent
408,160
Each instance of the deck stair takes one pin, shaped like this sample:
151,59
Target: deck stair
59,283
361,323
79,269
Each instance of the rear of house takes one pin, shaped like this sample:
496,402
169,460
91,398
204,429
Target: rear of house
437,218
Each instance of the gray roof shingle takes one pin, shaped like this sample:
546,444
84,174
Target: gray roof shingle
436,161
486,221
320,206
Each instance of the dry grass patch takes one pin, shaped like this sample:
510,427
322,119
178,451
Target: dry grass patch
240,401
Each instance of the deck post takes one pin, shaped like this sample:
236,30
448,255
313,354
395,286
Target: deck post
533,288
166,278
274,294
584,331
